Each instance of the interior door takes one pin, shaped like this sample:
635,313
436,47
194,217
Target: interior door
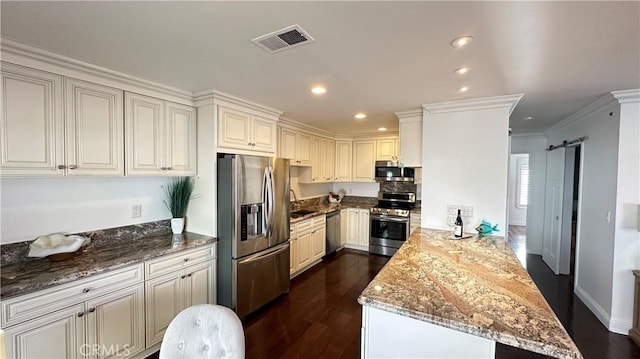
554,188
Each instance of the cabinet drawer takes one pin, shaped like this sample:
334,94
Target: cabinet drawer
173,262
319,222
304,227
19,309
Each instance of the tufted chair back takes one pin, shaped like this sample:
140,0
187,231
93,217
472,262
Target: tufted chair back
204,331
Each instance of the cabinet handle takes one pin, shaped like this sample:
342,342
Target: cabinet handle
249,143
189,275
183,276
163,168
186,259
72,167
168,168
85,290
80,314
92,310
253,144
61,167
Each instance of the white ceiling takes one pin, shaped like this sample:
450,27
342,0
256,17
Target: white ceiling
375,57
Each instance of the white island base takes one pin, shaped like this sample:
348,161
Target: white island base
389,335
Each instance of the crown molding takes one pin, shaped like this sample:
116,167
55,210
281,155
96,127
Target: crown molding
211,96
26,55
483,103
585,112
413,115
529,136
626,96
301,126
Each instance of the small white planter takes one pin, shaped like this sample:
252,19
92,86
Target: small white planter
177,225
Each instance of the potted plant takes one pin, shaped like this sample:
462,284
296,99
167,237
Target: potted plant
178,193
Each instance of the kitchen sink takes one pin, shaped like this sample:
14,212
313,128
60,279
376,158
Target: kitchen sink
301,213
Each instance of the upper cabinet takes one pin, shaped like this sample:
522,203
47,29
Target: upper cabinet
245,131
386,150
39,138
296,147
343,161
364,158
94,129
161,137
410,123
322,162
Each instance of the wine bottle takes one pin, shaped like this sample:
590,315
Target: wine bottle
457,231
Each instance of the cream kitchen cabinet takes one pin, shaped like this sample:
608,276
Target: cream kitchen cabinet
175,282
410,130
245,131
322,162
414,221
343,161
386,150
364,158
318,238
308,243
329,149
357,228
343,227
296,147
161,137
49,130
303,243
293,250
418,176
99,317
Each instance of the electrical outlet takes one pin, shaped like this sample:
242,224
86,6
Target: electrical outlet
467,211
452,209
136,211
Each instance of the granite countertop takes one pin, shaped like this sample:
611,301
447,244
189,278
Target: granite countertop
325,208
474,285
29,275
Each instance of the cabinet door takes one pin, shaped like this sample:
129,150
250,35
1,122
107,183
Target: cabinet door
364,153
94,129
363,227
234,129
343,227
318,243
304,250
418,175
385,150
144,121
115,323
264,135
180,133
317,160
352,226
31,118
411,142
164,300
329,160
199,282
56,335
293,255
343,161
303,149
288,145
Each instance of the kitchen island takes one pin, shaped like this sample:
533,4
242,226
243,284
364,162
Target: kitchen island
444,298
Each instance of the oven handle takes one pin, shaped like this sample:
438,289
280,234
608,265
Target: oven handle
389,218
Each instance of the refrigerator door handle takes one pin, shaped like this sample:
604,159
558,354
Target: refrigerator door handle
271,206
265,210
267,253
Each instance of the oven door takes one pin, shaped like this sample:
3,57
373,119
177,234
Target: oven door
387,233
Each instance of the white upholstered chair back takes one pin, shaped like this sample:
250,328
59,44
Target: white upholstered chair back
204,331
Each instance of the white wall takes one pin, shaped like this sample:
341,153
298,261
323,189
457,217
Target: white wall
33,207
307,190
626,256
595,239
517,215
358,189
534,145
465,161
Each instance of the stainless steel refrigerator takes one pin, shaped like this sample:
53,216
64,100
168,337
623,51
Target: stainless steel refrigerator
253,231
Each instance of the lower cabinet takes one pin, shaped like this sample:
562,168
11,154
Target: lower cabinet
343,227
308,243
107,324
414,221
112,315
357,229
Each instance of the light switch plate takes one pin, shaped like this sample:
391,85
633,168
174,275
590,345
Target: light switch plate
136,211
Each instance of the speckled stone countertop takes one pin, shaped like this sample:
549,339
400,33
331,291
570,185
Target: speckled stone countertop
473,285
323,207
31,274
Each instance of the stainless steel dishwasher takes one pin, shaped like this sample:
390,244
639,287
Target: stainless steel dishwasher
333,231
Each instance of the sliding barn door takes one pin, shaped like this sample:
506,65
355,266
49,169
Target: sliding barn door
552,233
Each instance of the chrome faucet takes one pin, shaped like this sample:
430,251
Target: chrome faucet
294,205
295,198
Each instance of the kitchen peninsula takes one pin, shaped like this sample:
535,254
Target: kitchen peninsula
443,298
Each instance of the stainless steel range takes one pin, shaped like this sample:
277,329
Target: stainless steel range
389,222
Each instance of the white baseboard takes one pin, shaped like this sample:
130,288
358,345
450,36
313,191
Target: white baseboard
357,246
620,326
597,310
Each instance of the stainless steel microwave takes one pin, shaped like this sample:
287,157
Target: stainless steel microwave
390,171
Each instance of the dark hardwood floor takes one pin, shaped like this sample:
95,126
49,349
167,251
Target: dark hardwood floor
320,316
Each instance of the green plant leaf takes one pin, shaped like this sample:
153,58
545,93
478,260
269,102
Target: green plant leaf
178,193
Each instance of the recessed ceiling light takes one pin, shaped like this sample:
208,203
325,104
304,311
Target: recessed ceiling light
318,90
461,41
360,115
461,70
382,129
527,118
463,89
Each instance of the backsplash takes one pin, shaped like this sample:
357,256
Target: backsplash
323,200
17,252
398,187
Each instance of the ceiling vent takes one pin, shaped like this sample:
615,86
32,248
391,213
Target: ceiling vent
289,37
